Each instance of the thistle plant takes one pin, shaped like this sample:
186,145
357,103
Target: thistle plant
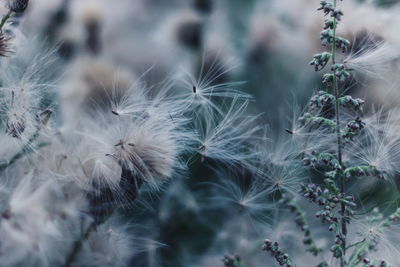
100,127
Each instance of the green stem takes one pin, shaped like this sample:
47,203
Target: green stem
5,18
78,244
339,143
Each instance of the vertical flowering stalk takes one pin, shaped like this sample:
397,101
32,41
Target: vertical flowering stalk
333,120
339,73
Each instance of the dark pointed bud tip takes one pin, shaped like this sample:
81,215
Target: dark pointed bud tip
289,131
18,6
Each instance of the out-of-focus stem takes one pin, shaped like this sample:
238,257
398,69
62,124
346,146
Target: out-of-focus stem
77,246
131,185
5,18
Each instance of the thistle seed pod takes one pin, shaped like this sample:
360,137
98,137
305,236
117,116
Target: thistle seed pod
15,127
205,6
4,45
189,31
18,6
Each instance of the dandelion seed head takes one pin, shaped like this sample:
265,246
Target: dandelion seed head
228,138
384,238
200,90
149,149
33,221
115,244
280,168
248,197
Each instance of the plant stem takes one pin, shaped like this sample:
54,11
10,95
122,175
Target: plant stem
5,18
78,244
131,185
339,143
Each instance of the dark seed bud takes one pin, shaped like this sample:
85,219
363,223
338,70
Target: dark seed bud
18,6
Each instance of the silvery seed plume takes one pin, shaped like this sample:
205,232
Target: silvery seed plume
149,149
90,84
198,90
378,145
246,197
27,87
373,60
228,138
378,236
33,222
108,245
279,168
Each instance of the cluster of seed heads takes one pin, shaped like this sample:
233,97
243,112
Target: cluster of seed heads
320,60
326,37
368,263
352,128
280,256
316,160
341,72
323,103
395,217
364,171
321,100
337,248
328,8
321,109
231,261
302,223
342,43
356,104
328,199
336,207
310,120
